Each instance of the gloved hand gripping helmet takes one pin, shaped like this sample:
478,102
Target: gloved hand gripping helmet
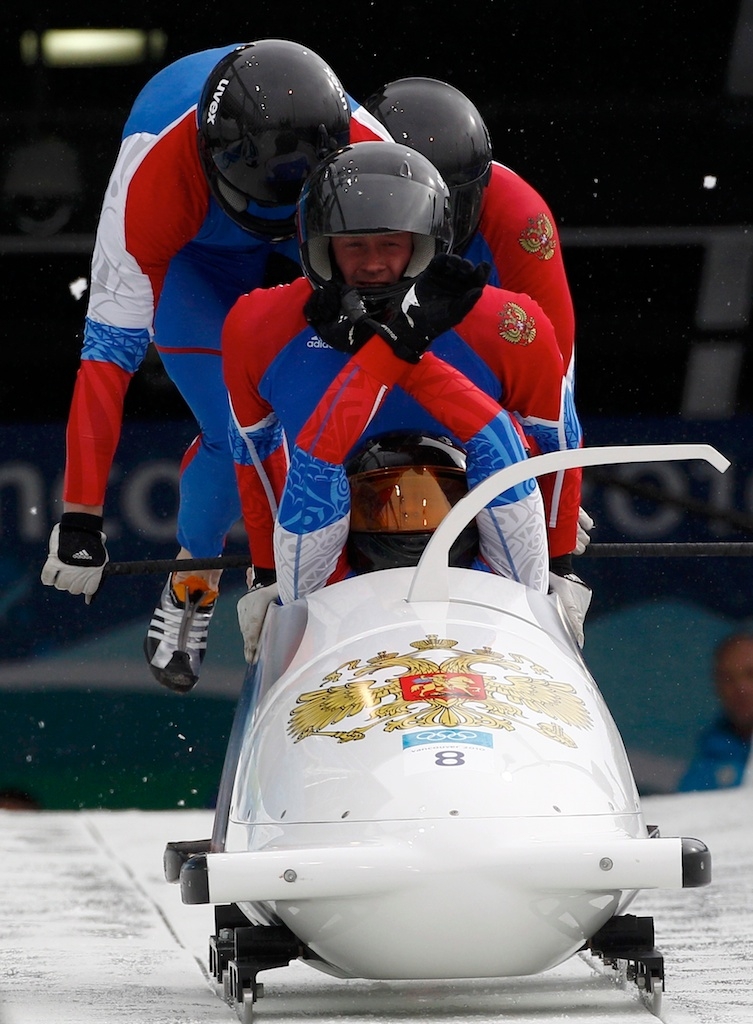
439,121
268,113
402,485
373,188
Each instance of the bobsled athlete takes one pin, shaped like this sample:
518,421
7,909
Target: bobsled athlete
200,209
388,332
497,215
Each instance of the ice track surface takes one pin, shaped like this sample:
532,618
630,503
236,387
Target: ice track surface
90,933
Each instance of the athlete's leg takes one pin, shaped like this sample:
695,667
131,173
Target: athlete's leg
196,298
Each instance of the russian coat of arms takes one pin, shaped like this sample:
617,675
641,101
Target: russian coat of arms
452,688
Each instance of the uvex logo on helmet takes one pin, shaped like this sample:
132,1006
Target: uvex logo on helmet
215,104
337,88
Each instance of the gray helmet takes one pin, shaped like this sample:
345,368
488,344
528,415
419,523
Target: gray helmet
372,188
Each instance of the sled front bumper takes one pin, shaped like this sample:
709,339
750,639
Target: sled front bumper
311,873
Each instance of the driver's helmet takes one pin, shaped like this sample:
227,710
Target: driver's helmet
402,485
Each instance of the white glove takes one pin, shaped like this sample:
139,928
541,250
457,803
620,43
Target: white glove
252,609
585,525
77,555
575,597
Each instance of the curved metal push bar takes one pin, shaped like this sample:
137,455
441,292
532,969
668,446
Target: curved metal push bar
431,579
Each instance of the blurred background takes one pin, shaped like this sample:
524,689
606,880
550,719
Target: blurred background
634,121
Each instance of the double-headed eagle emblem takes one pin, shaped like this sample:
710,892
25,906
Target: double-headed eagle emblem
445,691
538,238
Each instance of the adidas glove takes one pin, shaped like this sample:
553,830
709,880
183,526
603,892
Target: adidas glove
574,595
439,298
77,555
325,311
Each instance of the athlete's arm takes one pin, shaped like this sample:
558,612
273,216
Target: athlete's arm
513,335
521,232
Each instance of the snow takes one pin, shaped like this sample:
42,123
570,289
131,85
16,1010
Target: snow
91,932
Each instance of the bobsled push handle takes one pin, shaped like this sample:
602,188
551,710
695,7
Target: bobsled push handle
431,579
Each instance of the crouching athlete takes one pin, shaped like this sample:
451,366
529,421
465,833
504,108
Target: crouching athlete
200,209
388,332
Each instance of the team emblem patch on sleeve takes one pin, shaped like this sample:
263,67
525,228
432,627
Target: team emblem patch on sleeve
516,325
538,238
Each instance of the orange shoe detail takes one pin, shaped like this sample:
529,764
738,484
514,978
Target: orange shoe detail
189,589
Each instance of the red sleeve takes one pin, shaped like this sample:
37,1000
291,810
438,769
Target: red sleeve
168,199
93,430
515,338
523,353
449,396
522,234
257,327
351,401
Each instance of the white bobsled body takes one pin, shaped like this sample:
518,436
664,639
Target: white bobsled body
435,789
424,781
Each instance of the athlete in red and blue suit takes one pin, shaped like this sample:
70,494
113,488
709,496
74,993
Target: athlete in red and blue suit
300,384
499,217
199,209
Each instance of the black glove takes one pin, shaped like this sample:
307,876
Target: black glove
439,298
324,310
77,555
263,577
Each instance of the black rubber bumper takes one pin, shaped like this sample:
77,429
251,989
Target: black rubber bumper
696,863
194,880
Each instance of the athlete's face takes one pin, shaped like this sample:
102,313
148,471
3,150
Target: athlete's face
370,261
734,682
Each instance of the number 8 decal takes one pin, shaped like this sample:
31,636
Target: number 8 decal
449,758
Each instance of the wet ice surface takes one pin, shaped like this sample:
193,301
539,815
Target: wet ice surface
706,934
90,933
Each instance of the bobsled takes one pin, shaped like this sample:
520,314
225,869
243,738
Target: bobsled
424,781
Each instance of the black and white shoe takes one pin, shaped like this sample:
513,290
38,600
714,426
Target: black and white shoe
176,641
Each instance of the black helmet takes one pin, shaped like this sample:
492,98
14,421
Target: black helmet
268,113
401,486
373,188
441,122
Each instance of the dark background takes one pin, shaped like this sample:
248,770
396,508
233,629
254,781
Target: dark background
615,113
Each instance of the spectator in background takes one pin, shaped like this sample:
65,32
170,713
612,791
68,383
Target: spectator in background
723,748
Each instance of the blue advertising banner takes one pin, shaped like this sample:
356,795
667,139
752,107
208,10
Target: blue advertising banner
75,686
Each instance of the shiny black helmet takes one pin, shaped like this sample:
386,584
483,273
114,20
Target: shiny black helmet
402,485
441,122
373,188
269,112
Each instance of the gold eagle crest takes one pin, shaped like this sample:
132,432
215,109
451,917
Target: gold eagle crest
447,691
516,326
538,238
